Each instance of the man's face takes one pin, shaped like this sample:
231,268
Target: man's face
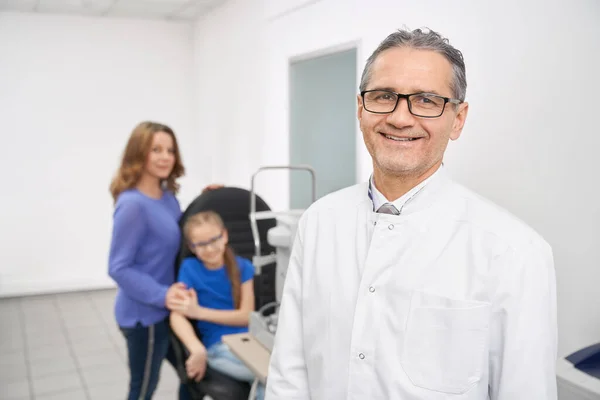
407,71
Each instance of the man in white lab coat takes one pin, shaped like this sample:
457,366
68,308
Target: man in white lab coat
410,286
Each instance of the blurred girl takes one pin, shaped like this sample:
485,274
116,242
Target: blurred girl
221,297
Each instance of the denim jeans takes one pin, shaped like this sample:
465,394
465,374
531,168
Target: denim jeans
220,358
147,347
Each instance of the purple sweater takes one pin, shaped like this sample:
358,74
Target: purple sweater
145,242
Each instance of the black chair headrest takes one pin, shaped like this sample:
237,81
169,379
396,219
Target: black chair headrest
233,205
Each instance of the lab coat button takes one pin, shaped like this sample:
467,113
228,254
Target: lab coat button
361,356
391,226
371,289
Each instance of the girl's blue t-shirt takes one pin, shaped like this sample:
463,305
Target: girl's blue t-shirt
214,291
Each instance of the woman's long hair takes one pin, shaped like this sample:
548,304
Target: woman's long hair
231,266
135,155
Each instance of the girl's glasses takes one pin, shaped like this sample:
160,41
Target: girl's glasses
211,243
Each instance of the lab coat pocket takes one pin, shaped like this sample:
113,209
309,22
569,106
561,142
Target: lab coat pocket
445,347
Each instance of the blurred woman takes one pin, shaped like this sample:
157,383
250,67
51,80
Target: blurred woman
144,245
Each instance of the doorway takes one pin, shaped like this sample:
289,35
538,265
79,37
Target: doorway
322,124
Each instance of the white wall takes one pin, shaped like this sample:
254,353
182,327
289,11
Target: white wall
71,91
230,89
530,141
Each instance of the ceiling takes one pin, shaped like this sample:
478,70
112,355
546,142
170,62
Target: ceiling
152,9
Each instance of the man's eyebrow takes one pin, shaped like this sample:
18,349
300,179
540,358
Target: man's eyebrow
432,92
391,89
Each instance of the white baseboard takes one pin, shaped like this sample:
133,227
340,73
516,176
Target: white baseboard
19,287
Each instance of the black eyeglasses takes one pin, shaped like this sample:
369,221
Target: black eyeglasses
425,105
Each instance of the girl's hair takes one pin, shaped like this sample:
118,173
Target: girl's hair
135,156
231,266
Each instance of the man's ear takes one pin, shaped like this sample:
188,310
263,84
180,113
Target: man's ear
459,121
359,107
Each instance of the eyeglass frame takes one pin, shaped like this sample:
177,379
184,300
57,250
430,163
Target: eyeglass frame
202,246
408,103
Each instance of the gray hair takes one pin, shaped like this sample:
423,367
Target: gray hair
420,40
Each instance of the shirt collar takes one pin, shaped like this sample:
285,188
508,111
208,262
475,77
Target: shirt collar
378,199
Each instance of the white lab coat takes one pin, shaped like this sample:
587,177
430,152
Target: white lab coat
453,299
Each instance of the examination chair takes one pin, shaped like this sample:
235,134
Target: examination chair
233,205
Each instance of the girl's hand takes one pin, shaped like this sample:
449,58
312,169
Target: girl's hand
195,365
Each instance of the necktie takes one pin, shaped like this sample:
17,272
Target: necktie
388,208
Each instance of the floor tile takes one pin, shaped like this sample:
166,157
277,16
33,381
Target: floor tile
12,373
40,340
50,331
32,313
121,347
11,319
168,383
104,305
167,372
72,298
106,392
16,389
167,387
33,304
102,294
28,303
112,328
56,345
89,334
9,303
57,383
74,314
12,357
10,313
109,357
76,310
164,395
12,346
78,394
8,307
46,326
105,374
117,336
53,367
89,322
44,352
10,332
40,323
108,317
87,347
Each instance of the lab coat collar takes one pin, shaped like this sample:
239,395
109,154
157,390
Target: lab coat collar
416,198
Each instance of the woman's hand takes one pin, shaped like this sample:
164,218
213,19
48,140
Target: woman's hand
176,294
212,186
189,306
195,365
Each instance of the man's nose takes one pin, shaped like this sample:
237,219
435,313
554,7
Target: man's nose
401,117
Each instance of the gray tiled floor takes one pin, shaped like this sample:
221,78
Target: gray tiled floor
66,347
